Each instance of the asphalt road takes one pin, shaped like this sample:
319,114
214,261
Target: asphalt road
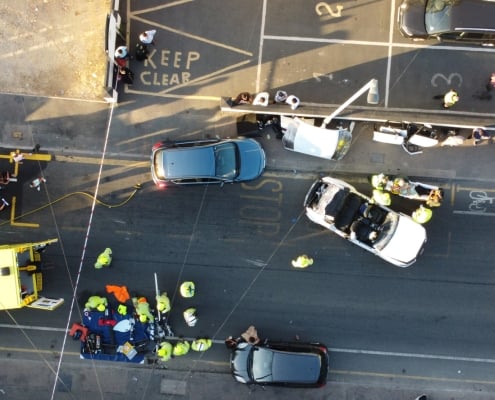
428,326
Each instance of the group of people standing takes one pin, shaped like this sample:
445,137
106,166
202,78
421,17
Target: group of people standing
121,56
263,99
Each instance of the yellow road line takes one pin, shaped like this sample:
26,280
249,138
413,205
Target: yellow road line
97,161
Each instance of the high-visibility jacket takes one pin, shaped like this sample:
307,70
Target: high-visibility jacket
104,259
382,198
302,261
165,351
143,309
450,98
96,303
202,344
187,289
163,303
181,348
190,316
422,215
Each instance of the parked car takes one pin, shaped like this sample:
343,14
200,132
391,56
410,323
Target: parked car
468,21
303,137
280,363
339,207
207,161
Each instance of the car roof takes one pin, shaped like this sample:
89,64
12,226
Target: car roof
468,15
183,162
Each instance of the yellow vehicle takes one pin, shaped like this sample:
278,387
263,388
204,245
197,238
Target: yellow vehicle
21,276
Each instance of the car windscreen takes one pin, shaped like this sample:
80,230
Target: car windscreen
226,160
438,16
261,364
386,231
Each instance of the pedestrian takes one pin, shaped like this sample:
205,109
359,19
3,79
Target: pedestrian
163,303
96,303
4,204
231,343
36,183
187,289
148,37
104,259
478,135
121,52
293,102
435,198
261,99
381,197
165,351
17,156
243,98
181,348
450,98
280,96
4,179
422,215
201,344
251,335
302,261
126,75
120,56
143,309
141,52
190,316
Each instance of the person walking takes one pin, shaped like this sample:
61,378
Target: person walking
302,261
187,289
181,348
450,98
201,344
148,37
104,259
190,316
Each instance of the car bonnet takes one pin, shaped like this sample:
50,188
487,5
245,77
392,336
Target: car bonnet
239,359
252,162
406,242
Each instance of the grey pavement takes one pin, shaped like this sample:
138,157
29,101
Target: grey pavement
21,379
74,126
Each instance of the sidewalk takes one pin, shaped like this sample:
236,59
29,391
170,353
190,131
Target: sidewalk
83,380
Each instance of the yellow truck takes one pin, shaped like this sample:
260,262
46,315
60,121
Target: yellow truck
21,277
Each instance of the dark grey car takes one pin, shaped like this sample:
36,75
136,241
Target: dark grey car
281,363
207,161
464,21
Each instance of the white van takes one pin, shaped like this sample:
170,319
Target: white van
303,137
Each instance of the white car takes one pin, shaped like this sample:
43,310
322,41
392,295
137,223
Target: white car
339,207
